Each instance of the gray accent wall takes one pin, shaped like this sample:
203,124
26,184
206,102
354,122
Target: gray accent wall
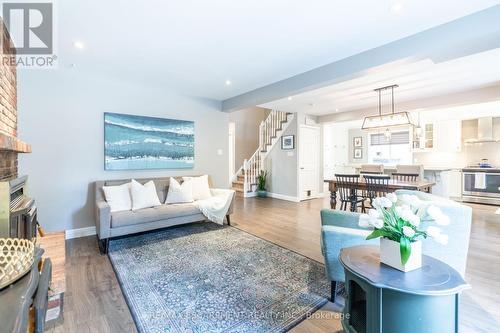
354,132
61,115
282,167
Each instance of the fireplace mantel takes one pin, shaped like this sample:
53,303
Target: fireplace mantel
10,143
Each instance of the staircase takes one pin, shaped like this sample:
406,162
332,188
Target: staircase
270,131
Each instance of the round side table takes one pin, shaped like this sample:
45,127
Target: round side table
383,299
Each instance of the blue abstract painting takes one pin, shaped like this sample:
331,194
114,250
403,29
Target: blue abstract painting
138,142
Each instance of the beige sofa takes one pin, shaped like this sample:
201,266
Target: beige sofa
122,223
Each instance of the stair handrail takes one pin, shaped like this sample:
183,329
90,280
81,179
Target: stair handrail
268,129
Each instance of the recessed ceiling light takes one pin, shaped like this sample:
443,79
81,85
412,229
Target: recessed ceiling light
289,98
336,110
228,82
396,7
79,45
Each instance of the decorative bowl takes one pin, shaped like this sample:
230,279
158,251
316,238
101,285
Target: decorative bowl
16,259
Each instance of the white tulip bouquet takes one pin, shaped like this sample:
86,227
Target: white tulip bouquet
398,219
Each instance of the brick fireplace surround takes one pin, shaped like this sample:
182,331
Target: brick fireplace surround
10,145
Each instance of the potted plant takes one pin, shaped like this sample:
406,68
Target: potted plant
396,222
261,184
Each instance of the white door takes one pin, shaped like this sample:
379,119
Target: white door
309,150
232,138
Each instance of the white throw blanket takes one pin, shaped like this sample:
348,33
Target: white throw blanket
215,208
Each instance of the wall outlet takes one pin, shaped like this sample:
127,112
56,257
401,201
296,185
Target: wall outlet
220,152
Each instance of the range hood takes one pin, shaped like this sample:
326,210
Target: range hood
484,131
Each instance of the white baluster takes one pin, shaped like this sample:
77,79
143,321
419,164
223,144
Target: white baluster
272,125
261,134
245,174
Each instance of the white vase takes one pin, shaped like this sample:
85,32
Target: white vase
391,255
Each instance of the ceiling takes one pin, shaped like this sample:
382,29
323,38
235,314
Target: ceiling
195,46
416,80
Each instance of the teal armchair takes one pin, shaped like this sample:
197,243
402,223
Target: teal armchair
340,229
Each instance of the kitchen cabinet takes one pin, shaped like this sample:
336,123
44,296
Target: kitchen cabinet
448,182
441,136
448,136
455,184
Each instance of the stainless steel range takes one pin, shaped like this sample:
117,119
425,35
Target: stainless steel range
481,184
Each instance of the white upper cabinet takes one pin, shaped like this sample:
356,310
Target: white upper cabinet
448,136
442,136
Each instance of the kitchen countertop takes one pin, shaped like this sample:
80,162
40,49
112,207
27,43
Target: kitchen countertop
477,169
426,168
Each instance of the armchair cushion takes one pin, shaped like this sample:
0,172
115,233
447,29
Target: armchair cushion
340,219
333,239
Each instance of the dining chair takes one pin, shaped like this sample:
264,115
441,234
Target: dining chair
376,186
405,177
411,168
375,169
347,187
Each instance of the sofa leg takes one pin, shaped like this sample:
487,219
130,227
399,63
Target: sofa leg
228,220
103,245
333,289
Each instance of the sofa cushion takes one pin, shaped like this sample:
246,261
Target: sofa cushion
178,193
118,197
201,189
162,212
143,196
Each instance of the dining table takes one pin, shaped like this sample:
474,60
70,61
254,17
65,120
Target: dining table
419,185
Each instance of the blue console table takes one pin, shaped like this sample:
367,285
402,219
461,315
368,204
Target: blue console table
383,299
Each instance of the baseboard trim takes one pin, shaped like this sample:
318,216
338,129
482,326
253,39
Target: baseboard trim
81,232
316,196
283,197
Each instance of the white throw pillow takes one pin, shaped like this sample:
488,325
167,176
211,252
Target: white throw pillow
118,197
143,196
201,190
178,193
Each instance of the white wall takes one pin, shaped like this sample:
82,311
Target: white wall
61,115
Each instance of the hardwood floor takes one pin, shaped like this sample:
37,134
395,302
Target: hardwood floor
94,302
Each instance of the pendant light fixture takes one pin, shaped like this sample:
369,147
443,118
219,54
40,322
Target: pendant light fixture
418,128
387,120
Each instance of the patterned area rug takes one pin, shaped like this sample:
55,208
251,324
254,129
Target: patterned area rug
209,278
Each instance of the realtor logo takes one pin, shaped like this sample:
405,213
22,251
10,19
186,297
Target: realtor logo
30,26
31,29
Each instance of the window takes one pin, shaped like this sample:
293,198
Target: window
391,150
